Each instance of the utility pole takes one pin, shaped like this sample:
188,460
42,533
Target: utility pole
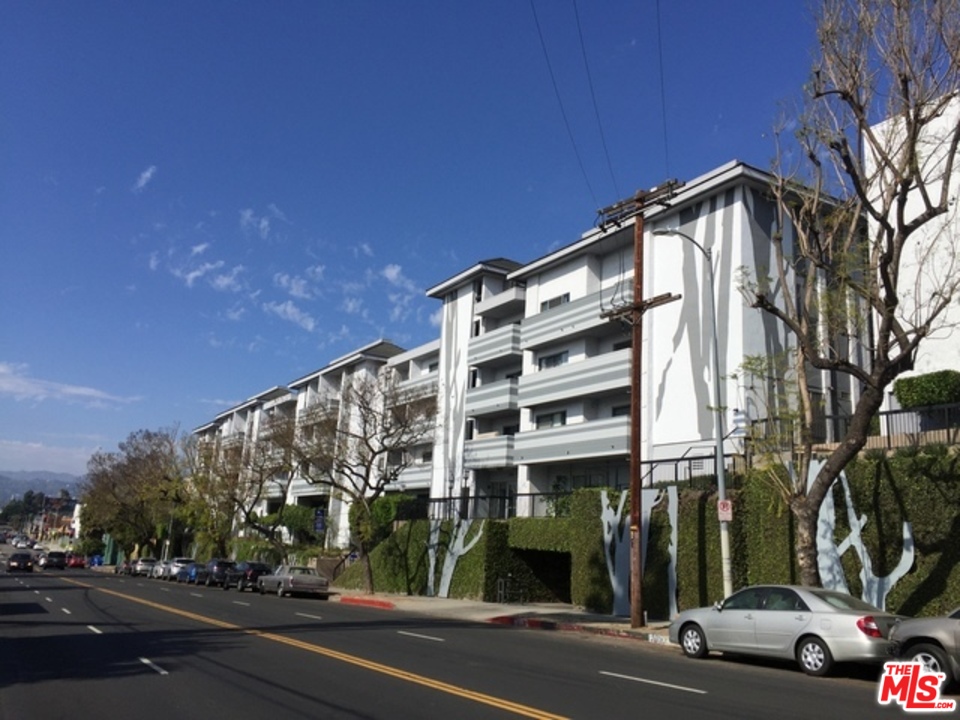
633,313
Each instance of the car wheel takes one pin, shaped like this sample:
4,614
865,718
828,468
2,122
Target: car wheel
933,660
225,585
814,656
692,641
280,591
207,581
240,586
263,590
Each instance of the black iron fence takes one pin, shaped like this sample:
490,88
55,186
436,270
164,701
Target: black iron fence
890,429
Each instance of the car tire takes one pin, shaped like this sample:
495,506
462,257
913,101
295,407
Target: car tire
207,581
263,590
225,585
692,641
814,656
280,592
933,659
240,587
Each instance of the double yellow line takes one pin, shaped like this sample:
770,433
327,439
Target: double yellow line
516,708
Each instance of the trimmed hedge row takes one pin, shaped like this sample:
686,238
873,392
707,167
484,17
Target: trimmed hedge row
562,559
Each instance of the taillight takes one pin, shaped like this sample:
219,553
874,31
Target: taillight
868,626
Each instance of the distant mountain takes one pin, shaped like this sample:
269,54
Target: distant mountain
14,484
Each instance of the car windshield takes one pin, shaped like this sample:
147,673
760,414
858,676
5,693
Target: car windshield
842,601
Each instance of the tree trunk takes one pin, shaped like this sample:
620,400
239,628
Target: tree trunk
805,505
367,568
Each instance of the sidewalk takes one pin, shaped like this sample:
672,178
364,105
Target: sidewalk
541,616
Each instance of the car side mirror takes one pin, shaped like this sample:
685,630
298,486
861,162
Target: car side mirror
718,605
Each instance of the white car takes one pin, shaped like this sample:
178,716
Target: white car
813,626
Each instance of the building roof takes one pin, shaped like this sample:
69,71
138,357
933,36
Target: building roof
496,266
381,350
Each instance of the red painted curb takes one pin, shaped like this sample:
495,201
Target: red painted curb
368,602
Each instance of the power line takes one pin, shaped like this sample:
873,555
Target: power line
593,97
563,113
663,94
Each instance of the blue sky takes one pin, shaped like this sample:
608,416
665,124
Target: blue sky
202,200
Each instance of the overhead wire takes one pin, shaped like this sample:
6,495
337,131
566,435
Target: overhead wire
563,112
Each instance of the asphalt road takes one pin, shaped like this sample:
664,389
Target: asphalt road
83,644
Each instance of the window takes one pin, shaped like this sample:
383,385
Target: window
552,361
620,411
477,290
433,367
476,329
555,302
426,457
622,345
511,429
749,599
549,420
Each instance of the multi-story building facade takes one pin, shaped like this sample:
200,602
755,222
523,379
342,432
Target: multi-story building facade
532,369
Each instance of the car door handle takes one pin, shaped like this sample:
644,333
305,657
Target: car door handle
800,617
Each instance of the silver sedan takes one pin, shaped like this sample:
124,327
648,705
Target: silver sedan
813,626
933,641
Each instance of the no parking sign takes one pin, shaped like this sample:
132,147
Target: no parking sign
725,510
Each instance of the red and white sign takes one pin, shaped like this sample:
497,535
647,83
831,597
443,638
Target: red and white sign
725,510
913,687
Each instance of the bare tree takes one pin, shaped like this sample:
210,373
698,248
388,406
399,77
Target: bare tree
359,446
229,484
869,245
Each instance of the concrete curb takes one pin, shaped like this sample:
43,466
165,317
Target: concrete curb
538,623
367,602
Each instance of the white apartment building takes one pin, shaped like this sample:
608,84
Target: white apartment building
533,378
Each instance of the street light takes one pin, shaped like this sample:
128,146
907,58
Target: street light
718,414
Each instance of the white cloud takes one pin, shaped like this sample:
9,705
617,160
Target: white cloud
249,222
154,260
295,286
17,455
15,382
199,249
352,306
145,177
394,275
316,272
277,212
236,313
191,276
228,282
363,249
289,311
436,317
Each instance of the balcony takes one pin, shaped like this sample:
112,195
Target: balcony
489,452
493,399
579,318
593,376
415,477
233,441
500,346
594,439
420,386
509,302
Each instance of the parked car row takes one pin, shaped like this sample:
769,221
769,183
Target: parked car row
243,575
817,628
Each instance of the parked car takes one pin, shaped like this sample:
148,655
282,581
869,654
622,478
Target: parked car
294,580
933,641
143,566
214,571
159,569
123,568
75,561
816,627
188,573
21,562
176,565
53,560
244,575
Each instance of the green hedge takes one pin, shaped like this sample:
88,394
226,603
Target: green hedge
936,388
920,487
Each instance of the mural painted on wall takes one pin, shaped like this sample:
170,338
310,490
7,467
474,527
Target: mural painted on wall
457,547
876,588
829,552
616,543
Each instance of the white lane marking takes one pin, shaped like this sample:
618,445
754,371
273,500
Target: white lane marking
163,589
93,629
197,594
655,682
419,636
153,666
312,617
66,611
241,602
48,599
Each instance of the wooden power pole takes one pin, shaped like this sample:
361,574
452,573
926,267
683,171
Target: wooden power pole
633,313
